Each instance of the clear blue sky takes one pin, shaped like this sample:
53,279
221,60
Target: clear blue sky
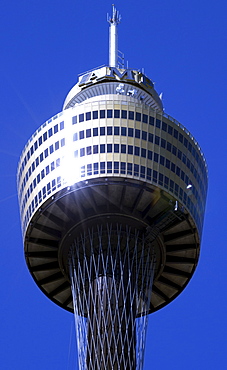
182,47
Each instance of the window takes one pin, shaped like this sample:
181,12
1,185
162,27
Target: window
182,175
89,169
109,148
40,140
50,132
81,135
145,118
102,167
149,174
116,130
74,121
82,152
95,114
179,154
142,172
109,130
167,163
174,150
137,133
169,146
131,115
47,170
102,113
144,135
138,116
143,152
116,113
109,113
46,153
88,150
123,131
149,154
180,137
163,143
175,134
123,148
102,131
88,132
136,170
130,132
35,145
45,136
109,167
95,131
156,156
116,167
95,149
123,167
151,121
41,157
130,149
173,167
51,149
37,161
116,148
42,174
185,142
88,116
63,142
171,185
102,148
178,171
160,179
129,169
137,150
124,114
170,130
62,125
76,154
32,150
166,182
81,117
150,138
157,140
158,123
75,136
164,126
38,179
58,162
155,176
96,168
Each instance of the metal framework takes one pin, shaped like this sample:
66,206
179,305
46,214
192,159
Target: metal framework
112,269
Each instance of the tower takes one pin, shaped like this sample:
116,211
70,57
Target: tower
112,195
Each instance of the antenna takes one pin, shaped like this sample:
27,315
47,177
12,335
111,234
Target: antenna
113,37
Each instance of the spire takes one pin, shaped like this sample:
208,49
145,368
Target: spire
113,37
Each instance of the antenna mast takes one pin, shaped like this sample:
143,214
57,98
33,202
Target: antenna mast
113,37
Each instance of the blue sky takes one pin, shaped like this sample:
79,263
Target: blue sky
182,47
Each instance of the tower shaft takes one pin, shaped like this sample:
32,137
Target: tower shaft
112,274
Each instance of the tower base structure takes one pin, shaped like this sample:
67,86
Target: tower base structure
111,268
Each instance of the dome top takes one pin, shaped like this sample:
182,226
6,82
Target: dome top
115,74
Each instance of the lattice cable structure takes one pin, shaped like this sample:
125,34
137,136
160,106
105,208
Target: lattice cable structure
112,273
112,196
